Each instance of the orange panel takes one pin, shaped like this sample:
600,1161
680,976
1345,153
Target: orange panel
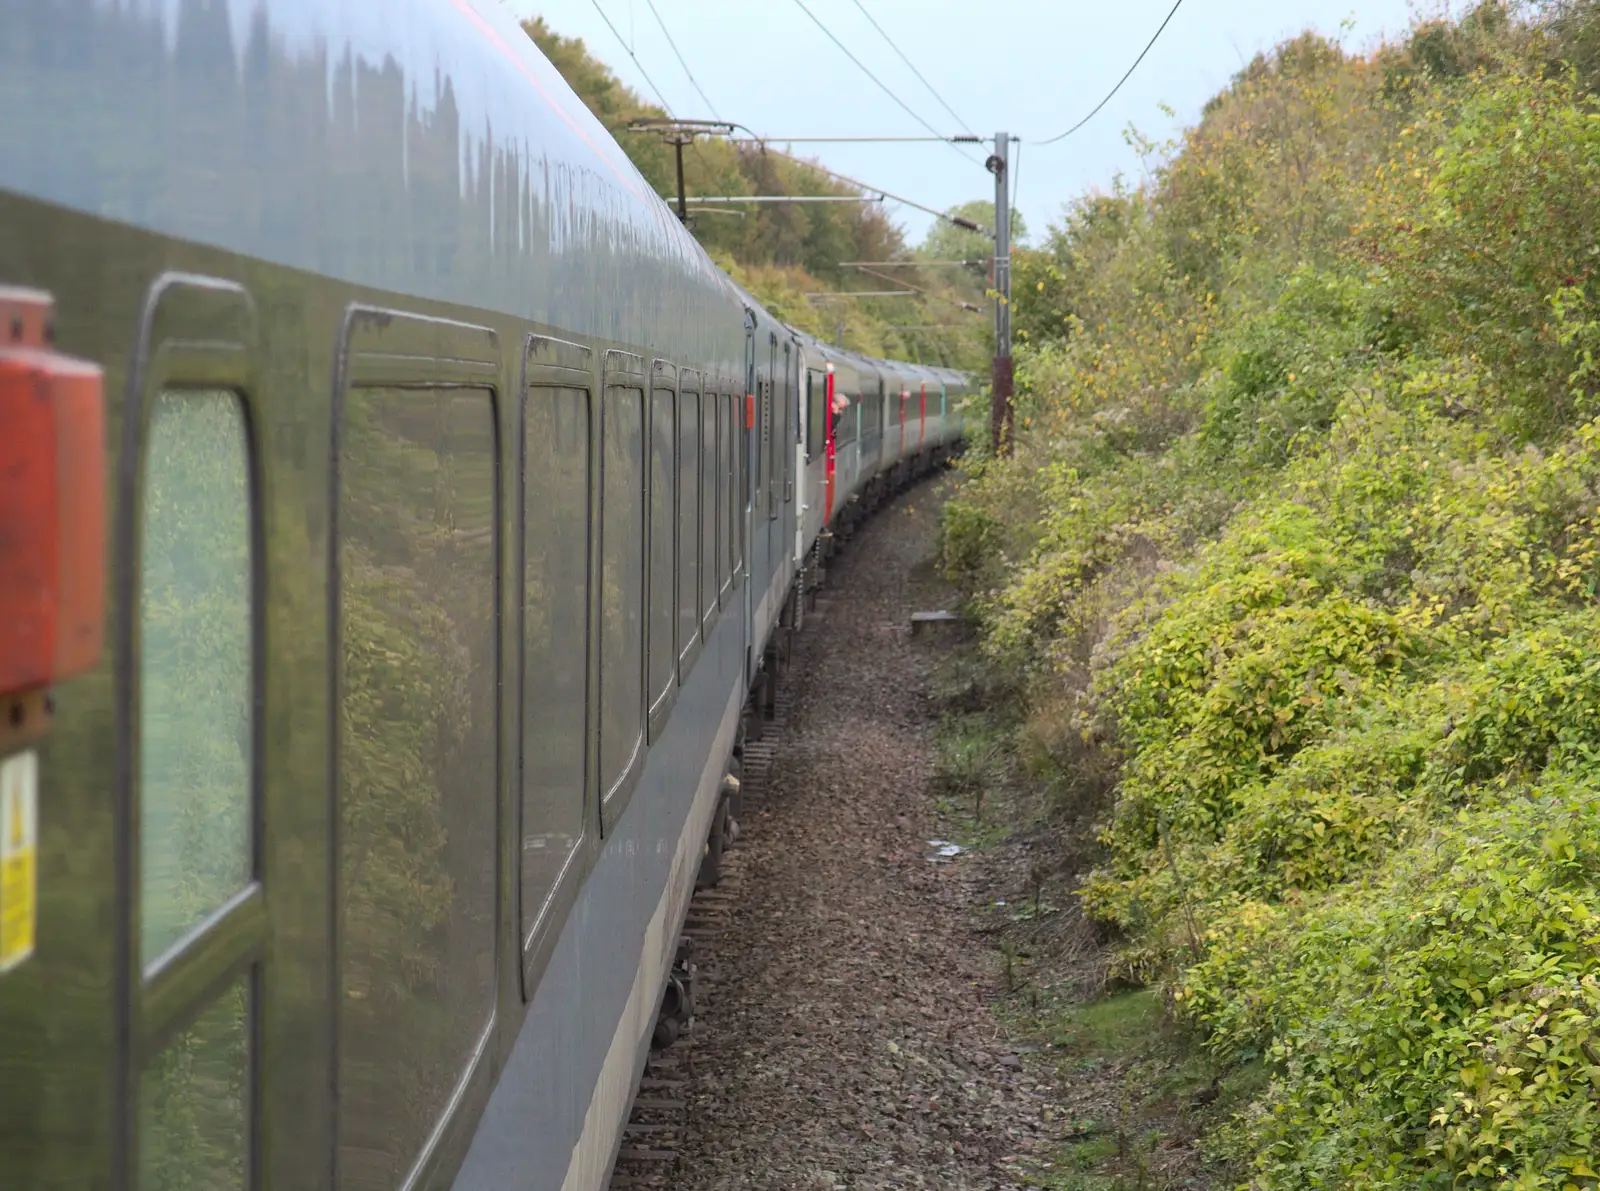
52,501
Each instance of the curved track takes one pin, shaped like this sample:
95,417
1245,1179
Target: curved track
846,1039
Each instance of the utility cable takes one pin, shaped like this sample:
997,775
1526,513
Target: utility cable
692,81
1016,172
968,306
860,185
881,85
1063,135
665,105
960,123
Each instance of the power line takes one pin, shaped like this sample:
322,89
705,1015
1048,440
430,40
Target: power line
681,62
1016,172
924,293
809,164
960,123
881,85
860,185
1062,135
667,106
784,198
880,140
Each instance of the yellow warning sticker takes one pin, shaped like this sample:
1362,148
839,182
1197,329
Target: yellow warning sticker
19,850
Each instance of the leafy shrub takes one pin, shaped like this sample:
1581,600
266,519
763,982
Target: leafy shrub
1300,552
1433,1027
1478,238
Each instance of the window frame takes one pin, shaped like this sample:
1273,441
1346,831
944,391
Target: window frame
381,347
690,383
663,379
710,585
791,394
728,492
196,334
770,438
626,371
816,411
552,363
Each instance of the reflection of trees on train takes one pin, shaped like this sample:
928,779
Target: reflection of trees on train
688,518
663,436
554,636
416,765
194,768
622,578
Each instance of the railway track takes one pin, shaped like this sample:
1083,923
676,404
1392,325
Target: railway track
651,1152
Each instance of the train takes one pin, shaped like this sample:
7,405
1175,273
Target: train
401,521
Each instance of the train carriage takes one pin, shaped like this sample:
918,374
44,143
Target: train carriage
453,501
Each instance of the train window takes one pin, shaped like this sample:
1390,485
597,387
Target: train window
688,529
726,437
771,430
816,412
709,480
663,443
790,430
555,617
622,544
418,696
196,702
737,503
194,1103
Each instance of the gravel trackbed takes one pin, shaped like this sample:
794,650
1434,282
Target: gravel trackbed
847,1040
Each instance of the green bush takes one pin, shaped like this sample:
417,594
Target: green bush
1433,1026
1299,552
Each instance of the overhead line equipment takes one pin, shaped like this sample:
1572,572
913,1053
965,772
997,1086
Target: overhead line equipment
678,54
1062,135
882,86
667,107
913,66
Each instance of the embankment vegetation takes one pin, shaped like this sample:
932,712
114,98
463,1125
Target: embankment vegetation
1295,574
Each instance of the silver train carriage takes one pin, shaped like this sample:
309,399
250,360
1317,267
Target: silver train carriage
416,505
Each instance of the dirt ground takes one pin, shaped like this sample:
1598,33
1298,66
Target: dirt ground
848,1039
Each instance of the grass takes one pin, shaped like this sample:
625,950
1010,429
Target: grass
1129,1077
1139,1090
971,768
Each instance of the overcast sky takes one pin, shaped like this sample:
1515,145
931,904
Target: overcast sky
1029,67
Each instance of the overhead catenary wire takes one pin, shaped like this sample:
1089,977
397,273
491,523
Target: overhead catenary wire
968,306
882,86
667,107
960,123
864,140
856,182
693,82
1096,110
1016,172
